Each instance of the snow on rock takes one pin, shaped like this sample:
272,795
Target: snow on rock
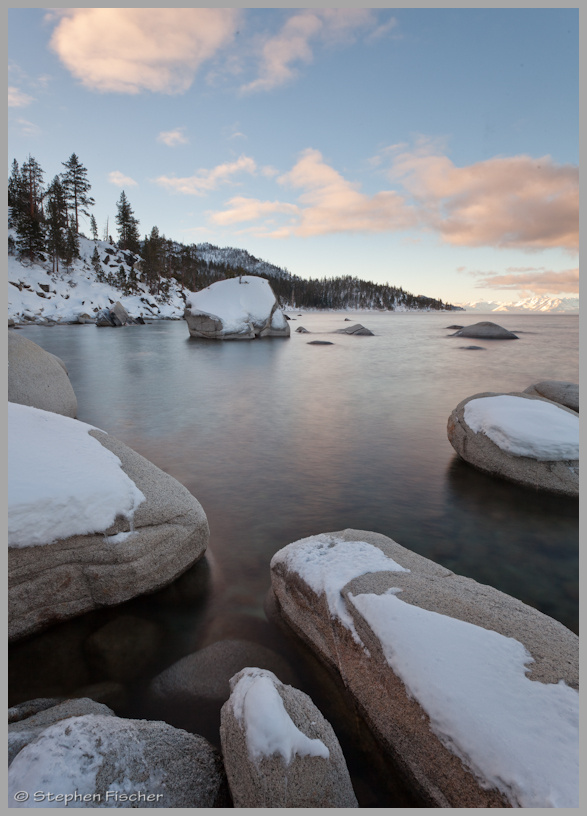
524,427
278,749
103,761
472,683
236,309
473,690
63,482
269,729
327,563
521,437
75,494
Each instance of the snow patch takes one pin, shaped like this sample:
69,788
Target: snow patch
524,427
63,482
327,563
517,735
269,729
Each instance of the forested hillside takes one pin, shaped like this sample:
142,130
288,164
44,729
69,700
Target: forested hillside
45,230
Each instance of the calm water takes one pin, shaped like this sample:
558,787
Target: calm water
279,440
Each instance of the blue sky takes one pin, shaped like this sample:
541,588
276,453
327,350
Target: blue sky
434,149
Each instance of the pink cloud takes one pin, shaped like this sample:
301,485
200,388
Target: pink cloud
242,209
280,53
538,282
517,202
129,50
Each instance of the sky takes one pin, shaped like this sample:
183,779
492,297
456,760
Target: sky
433,149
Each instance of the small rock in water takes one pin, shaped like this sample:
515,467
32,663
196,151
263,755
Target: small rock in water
486,330
320,343
472,348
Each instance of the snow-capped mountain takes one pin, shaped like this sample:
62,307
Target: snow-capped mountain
534,304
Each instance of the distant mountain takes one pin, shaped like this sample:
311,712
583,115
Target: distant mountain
533,304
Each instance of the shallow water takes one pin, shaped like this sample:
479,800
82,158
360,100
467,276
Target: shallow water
279,440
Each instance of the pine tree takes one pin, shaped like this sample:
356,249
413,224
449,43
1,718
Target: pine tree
77,187
56,222
27,214
127,224
97,266
94,227
71,243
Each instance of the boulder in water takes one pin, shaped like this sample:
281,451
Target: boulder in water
38,378
486,330
565,393
240,308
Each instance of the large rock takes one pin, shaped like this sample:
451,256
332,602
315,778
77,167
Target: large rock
279,751
565,393
356,328
105,761
191,692
25,729
508,453
486,330
50,582
38,378
115,316
469,692
236,309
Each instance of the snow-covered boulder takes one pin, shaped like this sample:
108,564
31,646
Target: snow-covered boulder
25,729
565,393
90,522
486,330
103,761
520,437
38,378
191,692
279,751
470,694
236,309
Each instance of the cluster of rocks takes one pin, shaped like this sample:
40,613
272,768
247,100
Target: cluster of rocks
355,329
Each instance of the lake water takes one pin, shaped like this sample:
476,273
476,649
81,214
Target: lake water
279,440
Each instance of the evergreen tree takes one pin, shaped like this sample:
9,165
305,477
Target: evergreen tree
127,224
56,222
94,227
77,187
97,266
153,260
71,243
27,214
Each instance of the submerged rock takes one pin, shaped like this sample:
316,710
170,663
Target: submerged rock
279,751
528,440
191,692
53,578
38,378
462,686
236,309
565,393
302,330
320,343
486,330
115,762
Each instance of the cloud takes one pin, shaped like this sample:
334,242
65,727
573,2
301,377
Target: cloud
242,209
28,128
129,50
173,137
537,281
17,98
120,180
206,180
327,203
514,202
280,53
383,30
